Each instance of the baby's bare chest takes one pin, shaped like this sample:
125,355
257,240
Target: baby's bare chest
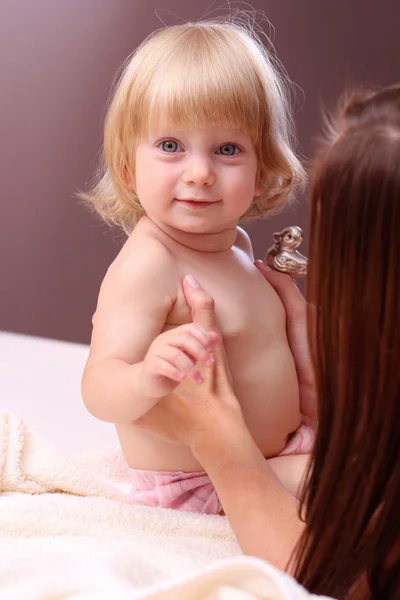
253,325
247,308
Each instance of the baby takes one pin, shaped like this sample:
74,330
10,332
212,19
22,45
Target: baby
196,138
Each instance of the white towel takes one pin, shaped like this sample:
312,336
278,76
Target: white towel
31,465
68,531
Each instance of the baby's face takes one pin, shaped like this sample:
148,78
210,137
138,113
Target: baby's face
198,180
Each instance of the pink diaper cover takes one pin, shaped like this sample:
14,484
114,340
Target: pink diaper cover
194,492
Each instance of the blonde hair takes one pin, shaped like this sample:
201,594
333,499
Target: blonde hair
196,74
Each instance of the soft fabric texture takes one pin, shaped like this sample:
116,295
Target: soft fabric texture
69,531
193,492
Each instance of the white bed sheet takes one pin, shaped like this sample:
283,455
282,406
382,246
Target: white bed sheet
40,381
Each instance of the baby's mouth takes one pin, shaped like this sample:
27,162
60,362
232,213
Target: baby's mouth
195,204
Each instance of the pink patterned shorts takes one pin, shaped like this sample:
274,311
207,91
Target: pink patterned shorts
194,492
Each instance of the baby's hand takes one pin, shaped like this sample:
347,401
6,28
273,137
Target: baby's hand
173,356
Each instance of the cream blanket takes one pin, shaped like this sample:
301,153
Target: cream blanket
68,531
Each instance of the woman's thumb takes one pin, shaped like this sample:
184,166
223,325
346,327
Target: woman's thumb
203,314
201,304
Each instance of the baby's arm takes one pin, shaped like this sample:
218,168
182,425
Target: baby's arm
131,363
135,298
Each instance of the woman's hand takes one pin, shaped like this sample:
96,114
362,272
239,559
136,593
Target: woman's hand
296,319
197,411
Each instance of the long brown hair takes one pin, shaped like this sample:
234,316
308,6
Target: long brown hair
350,547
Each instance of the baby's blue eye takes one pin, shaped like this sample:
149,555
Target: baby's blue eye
170,146
228,149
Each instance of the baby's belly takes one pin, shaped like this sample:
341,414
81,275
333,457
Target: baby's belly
268,393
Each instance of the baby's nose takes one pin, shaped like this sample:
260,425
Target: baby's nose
199,171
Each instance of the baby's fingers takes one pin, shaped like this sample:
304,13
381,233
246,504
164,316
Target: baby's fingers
194,348
178,359
207,339
166,369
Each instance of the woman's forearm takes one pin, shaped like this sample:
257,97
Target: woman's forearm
262,514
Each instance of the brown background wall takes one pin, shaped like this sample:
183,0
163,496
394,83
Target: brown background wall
57,62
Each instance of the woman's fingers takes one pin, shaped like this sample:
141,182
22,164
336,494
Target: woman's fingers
286,289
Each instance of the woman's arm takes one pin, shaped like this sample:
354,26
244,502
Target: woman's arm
262,514
208,418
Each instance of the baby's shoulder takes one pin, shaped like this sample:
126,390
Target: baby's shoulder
243,242
146,250
143,263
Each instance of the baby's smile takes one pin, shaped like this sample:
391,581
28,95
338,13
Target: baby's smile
194,204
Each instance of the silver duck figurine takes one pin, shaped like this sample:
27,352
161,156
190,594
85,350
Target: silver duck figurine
283,256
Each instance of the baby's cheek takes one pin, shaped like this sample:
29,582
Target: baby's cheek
245,192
